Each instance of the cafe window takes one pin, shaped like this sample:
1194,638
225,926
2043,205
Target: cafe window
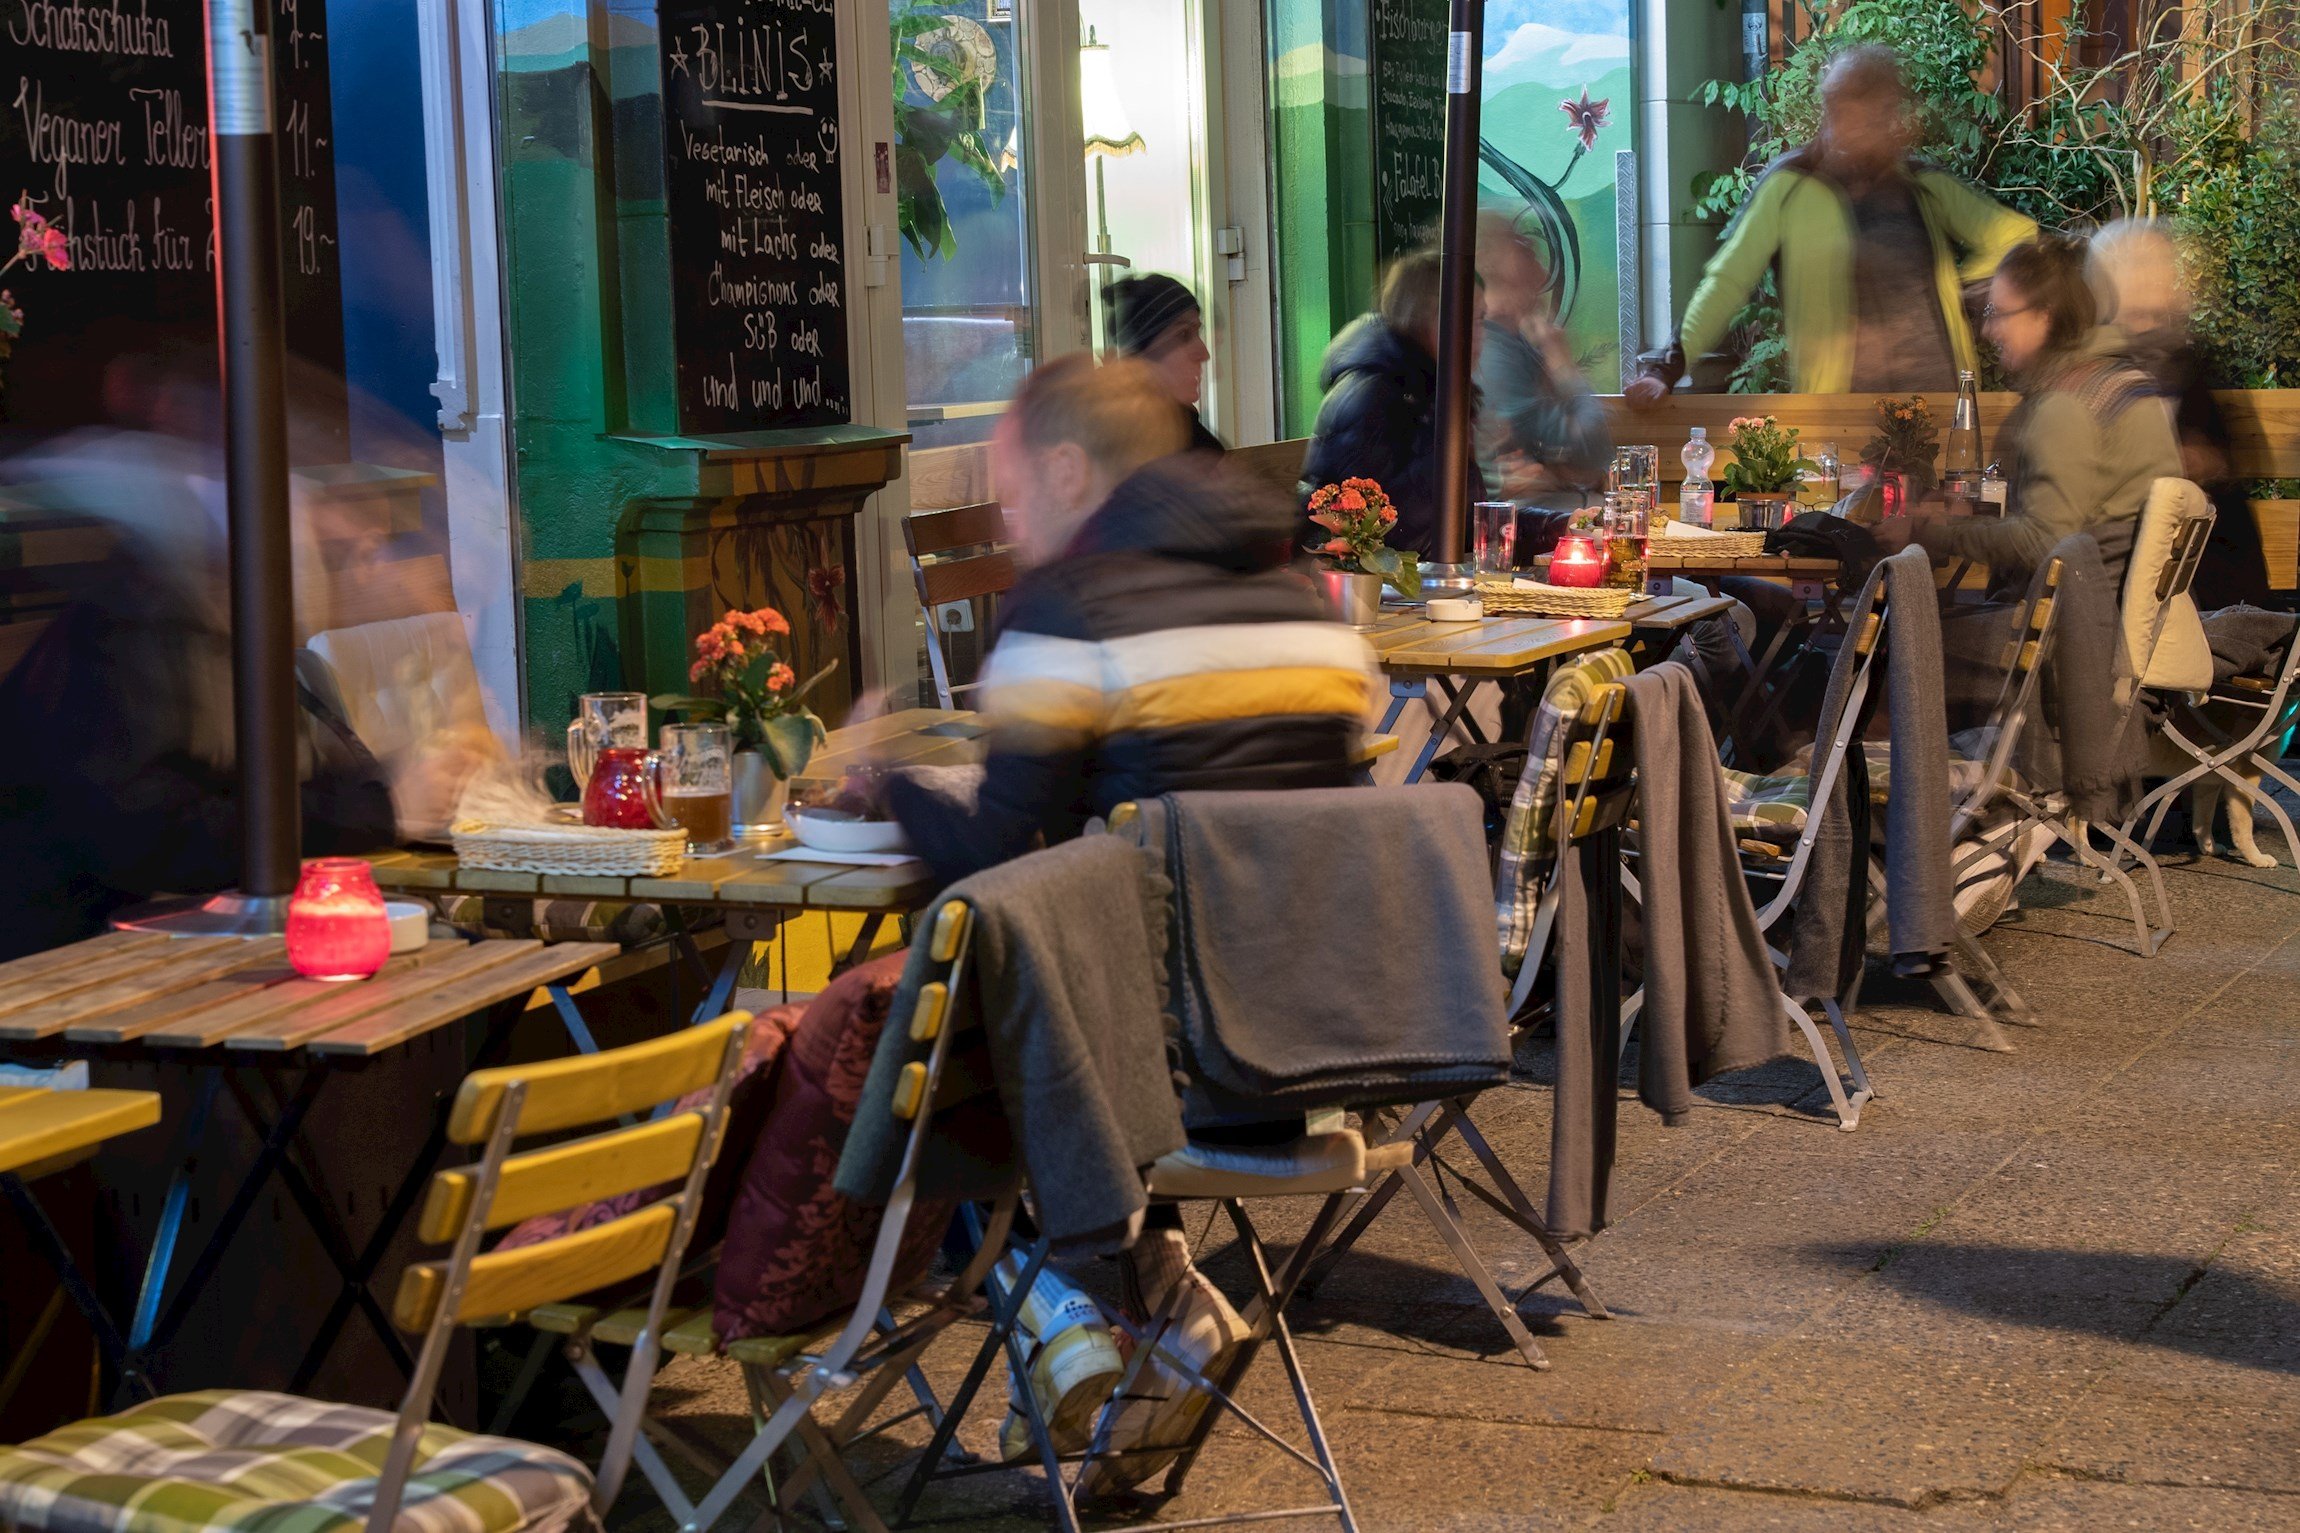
962,146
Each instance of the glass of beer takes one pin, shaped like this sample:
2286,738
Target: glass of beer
698,784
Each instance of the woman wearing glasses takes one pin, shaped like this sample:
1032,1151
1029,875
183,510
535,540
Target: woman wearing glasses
2088,439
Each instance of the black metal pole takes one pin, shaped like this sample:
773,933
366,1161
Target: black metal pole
252,327
1457,244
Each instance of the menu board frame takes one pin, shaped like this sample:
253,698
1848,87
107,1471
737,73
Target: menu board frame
1407,68
756,209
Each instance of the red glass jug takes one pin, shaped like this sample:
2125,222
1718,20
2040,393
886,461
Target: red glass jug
625,791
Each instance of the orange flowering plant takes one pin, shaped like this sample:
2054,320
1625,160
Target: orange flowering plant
750,687
1359,517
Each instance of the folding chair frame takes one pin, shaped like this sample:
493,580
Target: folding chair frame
2279,712
871,1352
2051,811
1273,1290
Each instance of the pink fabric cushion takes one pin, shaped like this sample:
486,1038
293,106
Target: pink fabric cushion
796,1251
747,1111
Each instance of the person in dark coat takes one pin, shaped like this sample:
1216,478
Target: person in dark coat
121,783
1379,419
1156,644
1158,320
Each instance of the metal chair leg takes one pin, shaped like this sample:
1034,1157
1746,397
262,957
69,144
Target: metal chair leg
1848,1113
1445,1219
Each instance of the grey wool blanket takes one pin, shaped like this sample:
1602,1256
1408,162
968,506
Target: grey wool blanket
1064,984
2087,752
1333,947
1711,1004
1920,891
2247,641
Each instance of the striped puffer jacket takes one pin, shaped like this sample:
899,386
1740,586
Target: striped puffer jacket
1168,650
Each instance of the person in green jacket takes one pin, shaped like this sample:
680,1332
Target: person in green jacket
1874,251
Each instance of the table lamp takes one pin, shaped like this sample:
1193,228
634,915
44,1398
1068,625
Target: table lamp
1109,136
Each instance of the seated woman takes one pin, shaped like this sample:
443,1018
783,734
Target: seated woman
1157,319
2089,438
1379,419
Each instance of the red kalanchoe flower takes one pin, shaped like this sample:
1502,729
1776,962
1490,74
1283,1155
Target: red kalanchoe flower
780,677
1585,117
1353,501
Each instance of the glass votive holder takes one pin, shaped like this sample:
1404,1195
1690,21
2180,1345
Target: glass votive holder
336,927
1578,560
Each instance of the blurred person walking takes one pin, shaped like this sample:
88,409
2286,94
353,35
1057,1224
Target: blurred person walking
1542,436
1379,418
2137,280
1157,320
1872,249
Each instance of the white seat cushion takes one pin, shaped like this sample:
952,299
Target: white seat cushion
2182,659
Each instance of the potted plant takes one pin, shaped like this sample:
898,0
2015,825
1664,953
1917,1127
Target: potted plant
1902,452
1762,478
1357,560
762,702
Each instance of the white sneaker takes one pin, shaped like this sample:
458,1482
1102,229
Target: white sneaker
1163,1408
1074,1364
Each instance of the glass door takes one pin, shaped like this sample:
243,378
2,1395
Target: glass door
981,300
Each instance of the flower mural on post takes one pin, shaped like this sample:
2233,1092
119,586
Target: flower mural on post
1586,118
38,242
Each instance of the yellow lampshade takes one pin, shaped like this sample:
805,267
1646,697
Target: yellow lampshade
1108,133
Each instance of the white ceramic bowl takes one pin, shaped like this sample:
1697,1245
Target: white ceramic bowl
410,924
837,831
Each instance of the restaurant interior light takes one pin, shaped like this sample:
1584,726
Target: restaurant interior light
1108,133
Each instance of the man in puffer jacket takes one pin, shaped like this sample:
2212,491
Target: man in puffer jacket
1157,643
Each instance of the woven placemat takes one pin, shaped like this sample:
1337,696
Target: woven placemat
1543,600
1720,545
570,849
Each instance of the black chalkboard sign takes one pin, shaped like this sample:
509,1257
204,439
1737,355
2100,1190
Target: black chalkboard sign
1409,100
106,136
757,221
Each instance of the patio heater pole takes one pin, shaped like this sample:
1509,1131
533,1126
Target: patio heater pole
251,329
1465,47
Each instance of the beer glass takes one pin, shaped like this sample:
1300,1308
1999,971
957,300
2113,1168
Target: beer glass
604,720
698,783
1496,528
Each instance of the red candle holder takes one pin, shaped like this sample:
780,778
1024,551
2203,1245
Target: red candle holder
336,926
1578,560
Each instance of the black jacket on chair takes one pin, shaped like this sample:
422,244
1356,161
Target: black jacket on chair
1379,422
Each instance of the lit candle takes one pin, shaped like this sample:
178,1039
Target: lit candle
1577,561
336,926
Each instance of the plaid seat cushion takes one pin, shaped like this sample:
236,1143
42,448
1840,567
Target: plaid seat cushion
241,1461
1964,772
1529,833
1771,807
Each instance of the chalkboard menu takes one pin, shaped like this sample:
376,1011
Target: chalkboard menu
106,136
1409,102
757,221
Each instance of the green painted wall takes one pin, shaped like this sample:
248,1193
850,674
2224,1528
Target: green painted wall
588,320
1321,133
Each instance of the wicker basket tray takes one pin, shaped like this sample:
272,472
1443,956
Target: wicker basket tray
1542,600
1720,545
569,849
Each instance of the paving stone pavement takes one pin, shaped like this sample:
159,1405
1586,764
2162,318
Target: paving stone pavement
2052,1289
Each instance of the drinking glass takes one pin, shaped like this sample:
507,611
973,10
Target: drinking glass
1496,537
698,783
1818,487
603,721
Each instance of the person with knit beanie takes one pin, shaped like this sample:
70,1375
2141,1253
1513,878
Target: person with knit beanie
1157,319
